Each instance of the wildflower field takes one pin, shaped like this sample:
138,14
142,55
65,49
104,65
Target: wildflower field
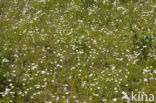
77,51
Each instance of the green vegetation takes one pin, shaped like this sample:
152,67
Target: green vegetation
76,51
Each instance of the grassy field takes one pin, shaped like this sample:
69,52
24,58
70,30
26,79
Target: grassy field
77,51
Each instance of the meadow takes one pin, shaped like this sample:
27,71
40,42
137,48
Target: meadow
77,51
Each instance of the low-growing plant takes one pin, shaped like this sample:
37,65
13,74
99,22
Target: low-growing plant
142,43
3,78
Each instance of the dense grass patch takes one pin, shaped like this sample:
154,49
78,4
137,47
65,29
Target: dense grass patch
76,51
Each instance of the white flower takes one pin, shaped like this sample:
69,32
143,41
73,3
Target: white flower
52,81
67,93
57,98
114,99
96,95
104,100
90,75
5,60
44,79
145,80
43,72
154,71
7,90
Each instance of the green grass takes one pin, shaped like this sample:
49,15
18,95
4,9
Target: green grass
76,51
